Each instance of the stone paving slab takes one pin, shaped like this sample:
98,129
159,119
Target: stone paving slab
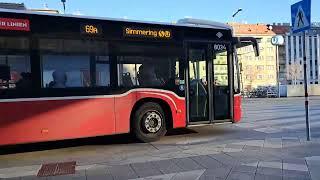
240,176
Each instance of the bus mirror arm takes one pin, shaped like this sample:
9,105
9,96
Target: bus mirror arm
246,41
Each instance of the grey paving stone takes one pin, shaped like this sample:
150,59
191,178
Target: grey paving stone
79,175
219,173
234,146
187,164
15,178
269,171
207,162
225,159
190,175
122,172
314,172
295,174
67,177
245,169
99,173
167,166
33,178
294,160
271,164
252,148
267,177
297,178
295,167
100,177
240,176
145,169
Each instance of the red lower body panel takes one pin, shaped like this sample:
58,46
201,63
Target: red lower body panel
49,119
237,111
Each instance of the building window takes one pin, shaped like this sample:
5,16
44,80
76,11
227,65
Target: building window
270,67
270,49
260,77
270,58
260,67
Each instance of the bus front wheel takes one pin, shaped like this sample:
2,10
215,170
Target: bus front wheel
149,122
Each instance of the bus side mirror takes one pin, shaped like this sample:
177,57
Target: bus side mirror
247,41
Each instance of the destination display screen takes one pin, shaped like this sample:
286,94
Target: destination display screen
14,24
147,33
91,29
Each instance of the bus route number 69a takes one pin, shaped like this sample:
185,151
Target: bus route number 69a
90,29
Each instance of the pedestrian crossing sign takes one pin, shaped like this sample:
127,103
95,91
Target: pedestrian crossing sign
301,16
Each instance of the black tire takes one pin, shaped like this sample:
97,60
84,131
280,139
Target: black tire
142,116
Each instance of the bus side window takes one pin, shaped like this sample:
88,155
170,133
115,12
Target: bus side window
59,74
15,72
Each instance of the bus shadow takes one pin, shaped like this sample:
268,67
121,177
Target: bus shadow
103,140
42,146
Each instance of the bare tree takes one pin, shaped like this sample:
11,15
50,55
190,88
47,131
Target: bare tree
294,72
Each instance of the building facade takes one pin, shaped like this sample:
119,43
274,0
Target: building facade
294,58
262,70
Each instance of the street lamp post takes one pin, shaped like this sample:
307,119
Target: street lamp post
64,6
235,14
239,63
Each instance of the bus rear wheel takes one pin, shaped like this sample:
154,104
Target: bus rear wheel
149,122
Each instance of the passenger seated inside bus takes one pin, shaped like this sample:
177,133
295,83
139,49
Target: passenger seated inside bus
25,82
4,76
147,76
59,79
127,81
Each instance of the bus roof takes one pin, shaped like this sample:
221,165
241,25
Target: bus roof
187,22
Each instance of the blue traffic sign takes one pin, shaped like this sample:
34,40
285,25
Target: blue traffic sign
301,16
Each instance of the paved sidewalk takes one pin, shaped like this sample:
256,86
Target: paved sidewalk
270,143
271,158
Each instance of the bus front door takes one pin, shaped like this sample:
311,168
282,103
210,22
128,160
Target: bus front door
209,89
198,91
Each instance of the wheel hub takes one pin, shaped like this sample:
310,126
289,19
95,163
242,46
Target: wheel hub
153,122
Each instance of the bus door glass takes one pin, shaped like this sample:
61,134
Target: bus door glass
222,78
198,85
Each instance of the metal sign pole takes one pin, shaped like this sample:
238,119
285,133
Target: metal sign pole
306,95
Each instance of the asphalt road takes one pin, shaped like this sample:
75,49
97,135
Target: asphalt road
274,129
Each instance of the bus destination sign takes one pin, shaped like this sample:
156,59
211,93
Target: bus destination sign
147,33
91,29
14,24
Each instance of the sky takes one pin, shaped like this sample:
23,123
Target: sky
254,11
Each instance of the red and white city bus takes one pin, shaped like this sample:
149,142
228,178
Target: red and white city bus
67,77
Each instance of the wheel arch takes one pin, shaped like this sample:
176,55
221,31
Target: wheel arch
164,105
